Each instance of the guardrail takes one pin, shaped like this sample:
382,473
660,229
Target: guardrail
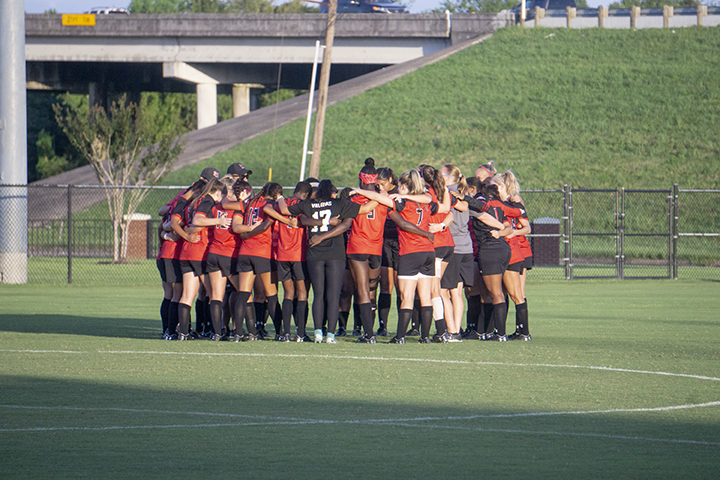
635,17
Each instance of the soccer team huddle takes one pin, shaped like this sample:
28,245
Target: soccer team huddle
437,238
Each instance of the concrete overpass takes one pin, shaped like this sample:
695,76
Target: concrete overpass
204,52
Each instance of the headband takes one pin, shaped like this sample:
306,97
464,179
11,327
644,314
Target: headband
488,171
368,178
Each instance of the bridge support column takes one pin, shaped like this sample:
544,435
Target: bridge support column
206,105
243,100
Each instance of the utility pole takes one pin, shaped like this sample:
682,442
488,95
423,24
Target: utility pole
323,89
13,144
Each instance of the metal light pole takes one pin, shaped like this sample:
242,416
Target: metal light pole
13,143
322,94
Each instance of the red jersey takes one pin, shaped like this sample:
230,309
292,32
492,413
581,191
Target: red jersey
418,214
291,241
170,249
443,238
366,234
224,240
512,214
198,251
260,245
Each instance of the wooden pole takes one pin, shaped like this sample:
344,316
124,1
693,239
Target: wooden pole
667,13
701,12
634,13
323,90
522,13
571,12
539,13
602,15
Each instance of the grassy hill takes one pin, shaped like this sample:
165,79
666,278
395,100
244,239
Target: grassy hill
591,108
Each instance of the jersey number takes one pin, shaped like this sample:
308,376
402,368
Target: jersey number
221,214
254,216
323,215
420,215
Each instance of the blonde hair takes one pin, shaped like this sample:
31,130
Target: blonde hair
511,182
413,182
457,177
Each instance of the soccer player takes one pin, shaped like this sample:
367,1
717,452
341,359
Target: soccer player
387,182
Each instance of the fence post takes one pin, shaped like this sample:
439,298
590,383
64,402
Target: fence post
567,231
701,12
621,234
670,233
539,13
668,12
69,233
634,13
571,12
602,15
675,229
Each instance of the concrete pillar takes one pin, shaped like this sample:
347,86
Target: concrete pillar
241,99
206,105
13,144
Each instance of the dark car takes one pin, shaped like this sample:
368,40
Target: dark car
367,6
546,4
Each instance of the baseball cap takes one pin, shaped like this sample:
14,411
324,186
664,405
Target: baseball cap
209,173
238,169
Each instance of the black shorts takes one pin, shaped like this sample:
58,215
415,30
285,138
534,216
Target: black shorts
494,260
391,254
171,272
227,265
251,263
529,262
460,269
444,253
295,271
161,268
422,263
374,261
197,267
517,267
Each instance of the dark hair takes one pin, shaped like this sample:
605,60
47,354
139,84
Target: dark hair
270,189
490,190
434,178
475,183
212,186
368,169
387,173
241,186
325,190
345,193
303,188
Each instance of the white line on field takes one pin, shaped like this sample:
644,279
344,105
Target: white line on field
385,359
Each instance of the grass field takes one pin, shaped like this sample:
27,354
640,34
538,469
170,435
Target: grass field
621,380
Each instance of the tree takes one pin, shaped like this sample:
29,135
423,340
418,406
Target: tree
119,146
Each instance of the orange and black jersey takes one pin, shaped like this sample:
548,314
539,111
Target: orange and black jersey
443,238
169,248
198,251
292,242
495,208
419,215
224,240
261,244
366,234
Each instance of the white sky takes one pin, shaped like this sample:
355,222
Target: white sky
80,6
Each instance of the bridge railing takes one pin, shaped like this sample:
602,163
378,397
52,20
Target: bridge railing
635,17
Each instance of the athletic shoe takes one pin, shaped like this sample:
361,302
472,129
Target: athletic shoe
302,339
184,336
444,338
166,335
382,332
250,337
357,332
286,338
318,338
498,338
172,337
367,339
279,338
261,330
341,332
399,341
237,338
455,338
329,340
425,340
216,338
520,336
472,335
414,332
194,335
486,337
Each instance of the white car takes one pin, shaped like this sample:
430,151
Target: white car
108,11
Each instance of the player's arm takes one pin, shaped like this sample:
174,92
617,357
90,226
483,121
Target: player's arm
422,198
270,211
200,220
379,198
410,227
442,226
264,225
229,205
334,232
525,224
164,210
239,227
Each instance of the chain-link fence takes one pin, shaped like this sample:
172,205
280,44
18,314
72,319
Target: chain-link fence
583,233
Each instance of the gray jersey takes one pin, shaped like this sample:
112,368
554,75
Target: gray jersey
459,229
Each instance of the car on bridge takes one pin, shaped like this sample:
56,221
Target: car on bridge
546,4
108,11
367,6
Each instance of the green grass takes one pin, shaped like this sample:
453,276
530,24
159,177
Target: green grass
591,108
88,391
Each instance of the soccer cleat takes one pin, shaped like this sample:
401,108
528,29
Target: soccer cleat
184,336
279,338
425,340
261,330
357,332
455,337
318,337
486,337
381,332
444,338
367,339
413,332
286,338
237,338
472,335
498,338
250,337
522,336
174,336
399,341
330,340
216,338
341,332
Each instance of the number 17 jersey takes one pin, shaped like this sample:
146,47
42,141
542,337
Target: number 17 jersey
324,210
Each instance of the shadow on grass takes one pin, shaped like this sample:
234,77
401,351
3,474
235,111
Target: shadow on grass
91,429
137,328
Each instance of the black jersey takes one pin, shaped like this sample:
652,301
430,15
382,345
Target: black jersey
482,231
324,210
390,232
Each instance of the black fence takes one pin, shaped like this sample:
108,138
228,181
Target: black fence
577,233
